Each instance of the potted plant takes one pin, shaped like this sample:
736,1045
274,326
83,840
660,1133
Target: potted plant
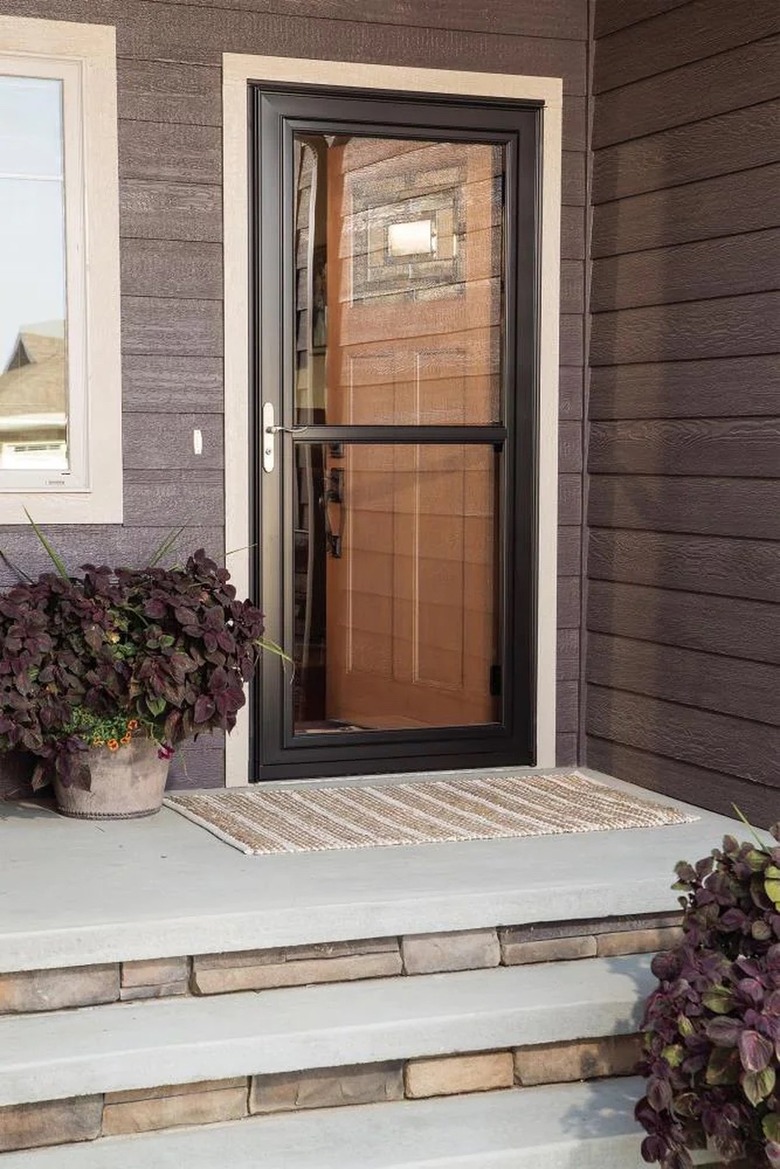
103,674
712,1027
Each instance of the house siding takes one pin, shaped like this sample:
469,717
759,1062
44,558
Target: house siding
683,497
170,157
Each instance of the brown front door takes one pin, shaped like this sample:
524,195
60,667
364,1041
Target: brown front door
395,482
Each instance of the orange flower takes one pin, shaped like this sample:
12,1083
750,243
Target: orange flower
125,738
112,745
132,724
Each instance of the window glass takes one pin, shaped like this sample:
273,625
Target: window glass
33,312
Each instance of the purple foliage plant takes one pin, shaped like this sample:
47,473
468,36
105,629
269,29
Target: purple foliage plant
712,1026
163,652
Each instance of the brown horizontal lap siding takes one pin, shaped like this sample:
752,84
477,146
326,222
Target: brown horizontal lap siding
698,785
695,211
612,15
170,165
692,32
693,504
683,505
726,144
728,387
730,626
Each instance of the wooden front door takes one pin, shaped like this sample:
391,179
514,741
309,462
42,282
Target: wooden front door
399,493
412,611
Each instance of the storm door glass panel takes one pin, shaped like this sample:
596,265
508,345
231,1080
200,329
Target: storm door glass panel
399,283
396,585
33,365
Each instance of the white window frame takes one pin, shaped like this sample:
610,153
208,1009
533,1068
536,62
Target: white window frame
83,58
238,70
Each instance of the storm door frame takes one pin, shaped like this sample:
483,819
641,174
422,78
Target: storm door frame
241,72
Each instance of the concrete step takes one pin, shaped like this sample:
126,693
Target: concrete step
573,1126
168,888
125,1046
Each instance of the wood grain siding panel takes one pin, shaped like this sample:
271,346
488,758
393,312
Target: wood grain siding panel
566,750
714,625
570,447
170,211
739,747
169,385
696,30
731,686
168,327
569,550
573,178
691,446
730,327
534,18
572,286
570,392
729,266
179,499
567,706
137,544
158,32
697,564
718,388
723,145
172,268
719,507
705,788
89,544
569,499
575,123
173,153
161,91
568,664
572,340
744,77
198,763
612,15
96,11
569,596
151,441
572,233
696,211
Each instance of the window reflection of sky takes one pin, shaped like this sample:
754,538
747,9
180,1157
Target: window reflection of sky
32,254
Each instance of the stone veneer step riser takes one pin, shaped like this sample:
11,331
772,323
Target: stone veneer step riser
565,1126
562,1126
86,1118
123,1046
46,990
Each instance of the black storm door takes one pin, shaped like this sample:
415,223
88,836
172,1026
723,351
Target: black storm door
395,404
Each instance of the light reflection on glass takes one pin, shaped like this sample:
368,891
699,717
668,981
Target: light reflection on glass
396,586
399,281
33,359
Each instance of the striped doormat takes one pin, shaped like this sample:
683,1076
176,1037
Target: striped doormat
260,821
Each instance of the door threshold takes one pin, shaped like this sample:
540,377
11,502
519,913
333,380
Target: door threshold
381,780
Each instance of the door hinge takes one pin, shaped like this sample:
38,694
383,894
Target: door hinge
495,681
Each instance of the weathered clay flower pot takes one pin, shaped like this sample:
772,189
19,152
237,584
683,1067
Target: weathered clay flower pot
126,783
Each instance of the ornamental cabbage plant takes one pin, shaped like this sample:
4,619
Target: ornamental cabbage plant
712,1026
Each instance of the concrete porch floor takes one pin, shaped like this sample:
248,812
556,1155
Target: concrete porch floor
81,892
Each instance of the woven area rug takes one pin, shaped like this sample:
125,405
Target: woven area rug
312,819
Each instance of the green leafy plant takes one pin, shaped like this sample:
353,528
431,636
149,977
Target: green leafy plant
712,1027
159,651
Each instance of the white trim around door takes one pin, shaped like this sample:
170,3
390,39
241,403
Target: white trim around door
238,71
